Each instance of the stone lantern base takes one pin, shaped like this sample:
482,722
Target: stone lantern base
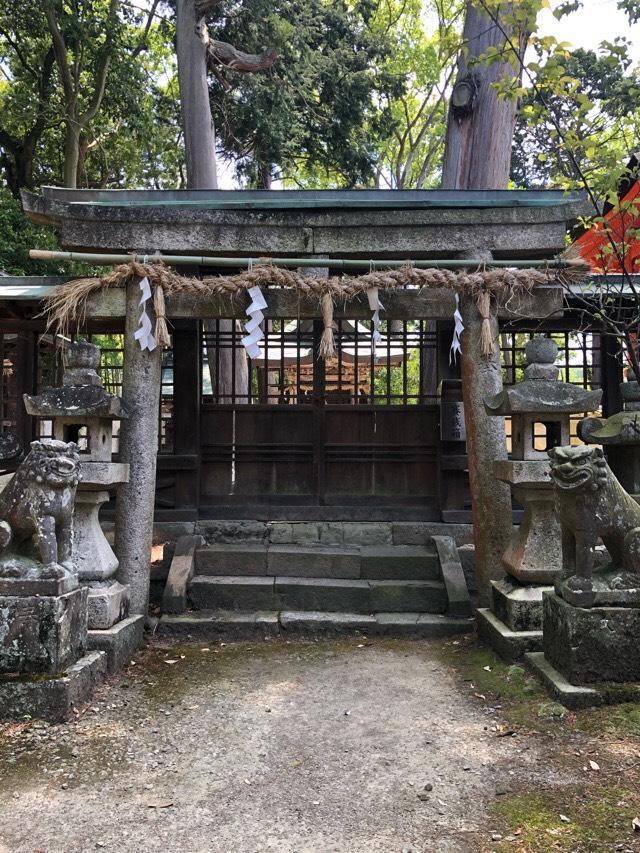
513,624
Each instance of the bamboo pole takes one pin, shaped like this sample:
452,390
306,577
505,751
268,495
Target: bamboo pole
100,259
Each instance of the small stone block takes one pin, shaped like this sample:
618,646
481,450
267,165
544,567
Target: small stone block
108,603
367,533
304,532
453,577
227,531
518,606
42,634
410,533
119,642
221,623
54,698
331,532
181,570
509,645
280,532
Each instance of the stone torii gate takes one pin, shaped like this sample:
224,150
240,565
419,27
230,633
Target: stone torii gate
377,226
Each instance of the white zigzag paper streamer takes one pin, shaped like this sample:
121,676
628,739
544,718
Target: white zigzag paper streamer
143,333
458,329
376,306
255,334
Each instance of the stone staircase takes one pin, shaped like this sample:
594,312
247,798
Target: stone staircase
265,578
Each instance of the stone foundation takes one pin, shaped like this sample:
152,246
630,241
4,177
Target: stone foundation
513,625
591,645
42,634
52,698
119,642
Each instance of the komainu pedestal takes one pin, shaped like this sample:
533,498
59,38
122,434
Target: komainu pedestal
592,618
43,610
540,407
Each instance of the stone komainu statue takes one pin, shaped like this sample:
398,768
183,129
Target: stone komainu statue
591,504
39,500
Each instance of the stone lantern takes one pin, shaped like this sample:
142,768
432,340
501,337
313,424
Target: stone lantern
540,407
82,411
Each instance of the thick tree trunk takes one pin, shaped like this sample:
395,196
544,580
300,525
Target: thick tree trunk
71,153
477,156
480,132
199,135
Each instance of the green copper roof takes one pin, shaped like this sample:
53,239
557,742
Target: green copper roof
314,199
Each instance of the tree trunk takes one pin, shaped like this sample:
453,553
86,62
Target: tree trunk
479,137
477,157
71,153
199,135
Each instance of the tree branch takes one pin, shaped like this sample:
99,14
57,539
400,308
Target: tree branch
221,53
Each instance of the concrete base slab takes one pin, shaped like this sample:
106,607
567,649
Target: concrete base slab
119,643
53,698
509,645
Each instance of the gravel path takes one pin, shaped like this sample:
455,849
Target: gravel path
284,746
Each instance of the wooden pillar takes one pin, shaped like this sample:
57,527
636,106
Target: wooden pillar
610,375
139,447
186,411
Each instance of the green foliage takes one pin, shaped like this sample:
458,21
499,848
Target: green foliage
17,236
317,115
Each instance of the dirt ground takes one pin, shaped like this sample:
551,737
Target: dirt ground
331,745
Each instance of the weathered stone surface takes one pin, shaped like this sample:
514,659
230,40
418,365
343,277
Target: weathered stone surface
328,594
304,532
333,623
331,532
181,570
590,645
459,603
508,644
139,447
321,561
119,643
108,603
233,593
591,504
408,596
401,562
93,556
467,556
242,558
37,504
42,634
53,699
534,553
221,623
367,533
518,606
231,531
541,350
570,695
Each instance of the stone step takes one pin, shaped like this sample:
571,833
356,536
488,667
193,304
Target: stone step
215,624
325,594
339,533
382,562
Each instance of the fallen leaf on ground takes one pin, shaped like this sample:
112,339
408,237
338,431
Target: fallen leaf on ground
594,765
159,805
171,660
635,823
565,819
